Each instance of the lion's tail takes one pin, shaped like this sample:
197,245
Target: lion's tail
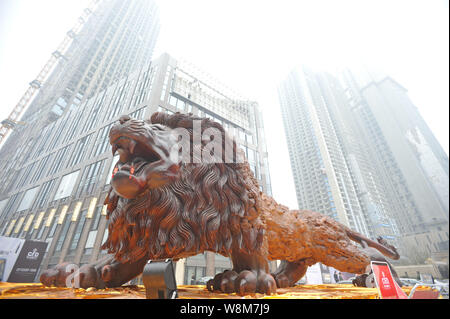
382,246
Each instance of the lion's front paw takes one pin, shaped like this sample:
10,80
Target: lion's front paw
70,275
58,275
282,280
246,282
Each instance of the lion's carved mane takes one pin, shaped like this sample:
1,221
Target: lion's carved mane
207,209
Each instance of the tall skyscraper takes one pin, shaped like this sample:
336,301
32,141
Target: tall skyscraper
361,153
57,192
407,158
117,38
321,171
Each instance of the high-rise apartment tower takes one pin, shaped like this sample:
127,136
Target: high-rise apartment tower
361,153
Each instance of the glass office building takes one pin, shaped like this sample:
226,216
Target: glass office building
58,188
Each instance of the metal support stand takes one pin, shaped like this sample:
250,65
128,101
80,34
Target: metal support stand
159,279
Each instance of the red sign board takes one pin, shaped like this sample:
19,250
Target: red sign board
387,286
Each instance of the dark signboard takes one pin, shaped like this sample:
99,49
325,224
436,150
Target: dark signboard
28,261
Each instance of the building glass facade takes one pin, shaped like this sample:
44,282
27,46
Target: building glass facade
76,163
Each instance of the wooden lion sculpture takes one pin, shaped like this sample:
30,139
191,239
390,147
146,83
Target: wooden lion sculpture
161,206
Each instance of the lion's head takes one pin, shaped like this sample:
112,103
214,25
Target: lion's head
145,160
161,206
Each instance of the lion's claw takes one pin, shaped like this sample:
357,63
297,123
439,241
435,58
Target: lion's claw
227,281
246,282
70,275
266,284
282,280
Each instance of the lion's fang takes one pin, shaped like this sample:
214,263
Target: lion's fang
115,171
132,146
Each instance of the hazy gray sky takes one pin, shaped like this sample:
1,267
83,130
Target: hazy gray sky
251,45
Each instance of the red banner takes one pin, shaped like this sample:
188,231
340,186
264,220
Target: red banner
387,286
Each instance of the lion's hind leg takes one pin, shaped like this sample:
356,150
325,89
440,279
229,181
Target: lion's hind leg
288,272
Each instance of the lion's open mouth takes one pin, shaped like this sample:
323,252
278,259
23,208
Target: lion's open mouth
145,160
133,154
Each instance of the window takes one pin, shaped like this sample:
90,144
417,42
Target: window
53,226
94,114
129,94
250,138
41,229
90,177
59,160
74,124
57,136
39,172
66,186
46,189
97,215
116,105
79,150
102,143
251,156
63,233
26,175
78,230
173,100
90,241
181,105
11,203
27,199
2,205
4,228
93,231
43,140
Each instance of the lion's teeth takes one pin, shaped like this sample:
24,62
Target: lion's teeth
132,146
114,149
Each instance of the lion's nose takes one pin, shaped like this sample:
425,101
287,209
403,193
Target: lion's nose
124,118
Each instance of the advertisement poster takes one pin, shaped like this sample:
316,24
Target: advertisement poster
386,284
28,262
9,251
